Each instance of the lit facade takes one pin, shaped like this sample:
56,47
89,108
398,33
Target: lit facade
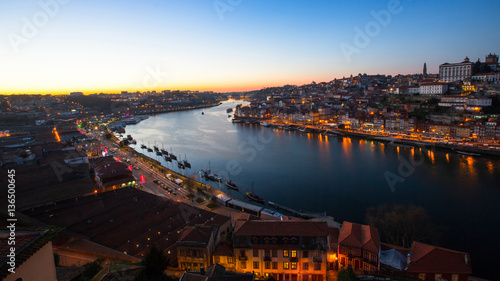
451,72
286,250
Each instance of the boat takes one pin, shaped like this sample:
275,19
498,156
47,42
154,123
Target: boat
167,158
158,153
163,151
172,155
180,165
467,153
143,146
185,162
229,110
150,150
202,113
156,148
254,197
209,175
264,124
304,130
231,185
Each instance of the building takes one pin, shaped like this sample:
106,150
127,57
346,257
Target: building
430,263
451,72
216,272
490,77
359,248
453,101
436,88
407,90
492,61
479,101
111,174
34,258
195,247
285,250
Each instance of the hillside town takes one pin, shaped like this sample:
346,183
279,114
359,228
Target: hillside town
460,104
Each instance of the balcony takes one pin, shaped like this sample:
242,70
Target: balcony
243,258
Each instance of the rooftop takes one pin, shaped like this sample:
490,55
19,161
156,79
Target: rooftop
282,228
426,258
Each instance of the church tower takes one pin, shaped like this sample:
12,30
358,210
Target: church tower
424,71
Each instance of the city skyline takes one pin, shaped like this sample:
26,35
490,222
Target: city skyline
60,46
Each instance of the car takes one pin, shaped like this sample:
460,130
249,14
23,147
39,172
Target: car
156,181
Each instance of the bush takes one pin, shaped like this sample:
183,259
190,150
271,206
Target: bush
346,274
92,268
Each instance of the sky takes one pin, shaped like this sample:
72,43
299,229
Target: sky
93,46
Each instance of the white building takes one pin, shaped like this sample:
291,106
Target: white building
456,101
451,72
491,77
433,88
407,90
479,101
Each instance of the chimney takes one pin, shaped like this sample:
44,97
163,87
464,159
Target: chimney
202,270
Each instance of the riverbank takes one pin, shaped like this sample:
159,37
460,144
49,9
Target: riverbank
420,143
120,124
468,149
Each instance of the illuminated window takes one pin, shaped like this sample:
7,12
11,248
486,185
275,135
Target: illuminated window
285,253
294,254
294,265
286,265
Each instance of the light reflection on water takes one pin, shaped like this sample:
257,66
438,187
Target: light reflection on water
340,175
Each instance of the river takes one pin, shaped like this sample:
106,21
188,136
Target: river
340,175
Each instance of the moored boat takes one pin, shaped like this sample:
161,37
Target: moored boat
185,162
254,197
231,185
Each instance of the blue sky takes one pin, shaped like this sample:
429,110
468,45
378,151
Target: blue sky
95,46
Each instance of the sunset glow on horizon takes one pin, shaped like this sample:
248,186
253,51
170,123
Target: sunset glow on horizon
58,47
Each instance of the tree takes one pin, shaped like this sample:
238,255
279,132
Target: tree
401,225
91,269
346,274
155,263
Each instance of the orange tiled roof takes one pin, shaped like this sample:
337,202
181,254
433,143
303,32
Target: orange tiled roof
360,236
283,228
426,258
